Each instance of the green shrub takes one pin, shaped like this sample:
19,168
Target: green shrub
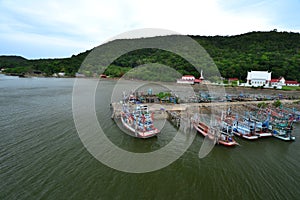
277,103
262,105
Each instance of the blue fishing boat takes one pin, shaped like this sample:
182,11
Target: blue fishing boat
244,130
261,129
240,128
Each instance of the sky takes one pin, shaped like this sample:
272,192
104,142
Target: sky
62,28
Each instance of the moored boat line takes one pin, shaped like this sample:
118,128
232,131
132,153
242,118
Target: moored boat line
255,124
273,125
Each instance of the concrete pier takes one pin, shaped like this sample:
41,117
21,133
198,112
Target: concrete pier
155,107
180,114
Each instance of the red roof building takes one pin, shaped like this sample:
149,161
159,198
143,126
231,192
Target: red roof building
277,82
230,80
186,79
190,79
274,80
292,83
233,79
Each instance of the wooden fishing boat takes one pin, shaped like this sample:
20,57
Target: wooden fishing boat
261,129
283,131
244,130
139,121
238,128
226,138
283,135
282,125
221,136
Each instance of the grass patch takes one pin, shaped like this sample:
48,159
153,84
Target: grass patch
290,88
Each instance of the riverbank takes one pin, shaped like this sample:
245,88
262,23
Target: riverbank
234,91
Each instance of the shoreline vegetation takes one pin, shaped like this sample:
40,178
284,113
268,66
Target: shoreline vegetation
231,90
278,52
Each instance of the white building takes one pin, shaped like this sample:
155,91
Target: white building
187,79
61,74
258,78
277,83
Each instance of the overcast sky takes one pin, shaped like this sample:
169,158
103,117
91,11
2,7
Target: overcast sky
60,28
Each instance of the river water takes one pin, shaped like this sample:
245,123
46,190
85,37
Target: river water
42,156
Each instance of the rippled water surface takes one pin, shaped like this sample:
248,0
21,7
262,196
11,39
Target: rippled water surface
41,155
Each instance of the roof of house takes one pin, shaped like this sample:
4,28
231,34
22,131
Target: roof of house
291,82
190,76
233,79
259,75
274,80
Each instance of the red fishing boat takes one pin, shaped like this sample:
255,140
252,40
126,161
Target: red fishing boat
222,136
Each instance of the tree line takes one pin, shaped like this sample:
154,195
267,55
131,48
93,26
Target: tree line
274,51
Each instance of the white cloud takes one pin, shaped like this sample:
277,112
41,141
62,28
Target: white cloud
199,17
88,23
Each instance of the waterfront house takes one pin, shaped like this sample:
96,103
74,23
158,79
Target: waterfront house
258,78
186,79
231,80
190,79
277,82
60,74
292,83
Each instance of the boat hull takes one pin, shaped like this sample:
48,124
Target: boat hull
282,136
264,134
291,138
234,143
248,137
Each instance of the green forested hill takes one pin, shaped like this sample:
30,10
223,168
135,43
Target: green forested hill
20,65
278,52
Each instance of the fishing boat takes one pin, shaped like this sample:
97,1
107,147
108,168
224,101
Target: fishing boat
222,136
244,130
283,131
226,137
238,128
138,121
261,129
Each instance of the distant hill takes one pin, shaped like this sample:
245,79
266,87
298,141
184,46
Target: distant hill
278,52
11,59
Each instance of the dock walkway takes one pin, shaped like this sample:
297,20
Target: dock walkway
154,107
